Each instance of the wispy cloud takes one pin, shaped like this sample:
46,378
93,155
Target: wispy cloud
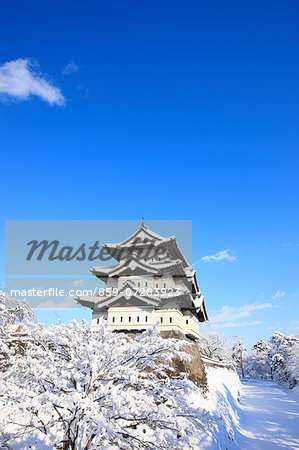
65,304
77,282
289,244
236,324
220,256
286,245
278,294
21,78
83,89
294,325
230,314
71,67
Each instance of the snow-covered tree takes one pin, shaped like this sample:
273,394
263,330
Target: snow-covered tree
215,345
238,355
293,365
283,347
12,312
277,359
258,363
76,389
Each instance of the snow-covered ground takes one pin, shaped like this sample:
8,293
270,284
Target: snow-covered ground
221,403
268,417
264,416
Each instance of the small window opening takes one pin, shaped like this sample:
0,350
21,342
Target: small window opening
121,319
161,319
157,285
146,318
113,319
129,319
170,319
98,320
137,318
187,321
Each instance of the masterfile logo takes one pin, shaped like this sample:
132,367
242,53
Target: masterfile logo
141,249
72,247
49,262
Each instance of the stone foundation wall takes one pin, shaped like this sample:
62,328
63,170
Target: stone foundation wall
195,367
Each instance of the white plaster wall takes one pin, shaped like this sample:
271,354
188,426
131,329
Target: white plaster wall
97,318
134,318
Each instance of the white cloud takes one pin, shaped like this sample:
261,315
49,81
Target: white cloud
294,325
71,67
77,282
278,294
19,79
50,304
220,256
231,313
236,324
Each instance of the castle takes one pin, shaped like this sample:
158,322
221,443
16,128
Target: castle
152,283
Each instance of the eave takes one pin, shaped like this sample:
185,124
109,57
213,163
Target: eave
130,292
137,267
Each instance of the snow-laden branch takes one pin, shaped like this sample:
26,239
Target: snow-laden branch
72,388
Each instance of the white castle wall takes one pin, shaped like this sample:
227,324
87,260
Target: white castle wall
139,318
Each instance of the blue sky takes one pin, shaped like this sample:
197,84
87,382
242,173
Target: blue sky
167,110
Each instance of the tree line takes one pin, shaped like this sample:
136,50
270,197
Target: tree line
276,359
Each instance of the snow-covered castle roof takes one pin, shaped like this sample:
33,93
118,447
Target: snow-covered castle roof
147,254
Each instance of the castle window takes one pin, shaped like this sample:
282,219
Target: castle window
161,319
138,284
170,319
146,284
146,318
113,319
187,321
121,319
157,285
137,318
129,319
98,321
164,285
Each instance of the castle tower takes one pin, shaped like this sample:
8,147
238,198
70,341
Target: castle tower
152,283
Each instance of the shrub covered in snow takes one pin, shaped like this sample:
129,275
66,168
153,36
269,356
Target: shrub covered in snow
75,389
